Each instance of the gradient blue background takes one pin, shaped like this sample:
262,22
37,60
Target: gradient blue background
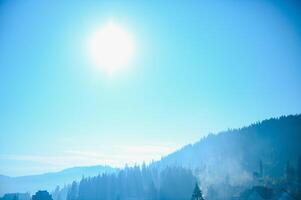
199,67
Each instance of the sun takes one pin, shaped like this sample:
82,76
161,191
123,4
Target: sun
111,48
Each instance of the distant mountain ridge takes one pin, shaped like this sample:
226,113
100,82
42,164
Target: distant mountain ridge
49,181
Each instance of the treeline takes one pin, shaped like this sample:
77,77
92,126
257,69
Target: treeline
175,183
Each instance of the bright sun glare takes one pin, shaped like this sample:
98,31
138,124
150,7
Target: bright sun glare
111,48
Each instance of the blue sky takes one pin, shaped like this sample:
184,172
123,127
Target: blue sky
198,67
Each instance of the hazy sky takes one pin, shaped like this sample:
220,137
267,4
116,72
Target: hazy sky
198,67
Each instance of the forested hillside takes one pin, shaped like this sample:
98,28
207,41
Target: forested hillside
239,157
225,165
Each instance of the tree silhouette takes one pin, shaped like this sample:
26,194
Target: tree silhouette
289,175
42,195
73,192
197,193
299,178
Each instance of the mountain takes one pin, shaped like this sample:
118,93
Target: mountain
260,158
265,148
262,153
49,181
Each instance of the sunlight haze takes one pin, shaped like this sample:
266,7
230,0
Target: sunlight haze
116,82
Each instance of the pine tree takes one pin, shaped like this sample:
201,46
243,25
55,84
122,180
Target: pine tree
299,178
197,193
73,192
260,169
42,195
289,174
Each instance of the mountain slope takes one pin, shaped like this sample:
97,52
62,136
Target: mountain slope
234,155
49,181
226,164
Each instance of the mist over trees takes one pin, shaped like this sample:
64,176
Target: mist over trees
235,156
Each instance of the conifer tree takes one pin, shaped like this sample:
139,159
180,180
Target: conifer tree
42,195
299,178
197,193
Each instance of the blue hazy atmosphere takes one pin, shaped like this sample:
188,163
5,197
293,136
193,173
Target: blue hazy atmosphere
197,68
